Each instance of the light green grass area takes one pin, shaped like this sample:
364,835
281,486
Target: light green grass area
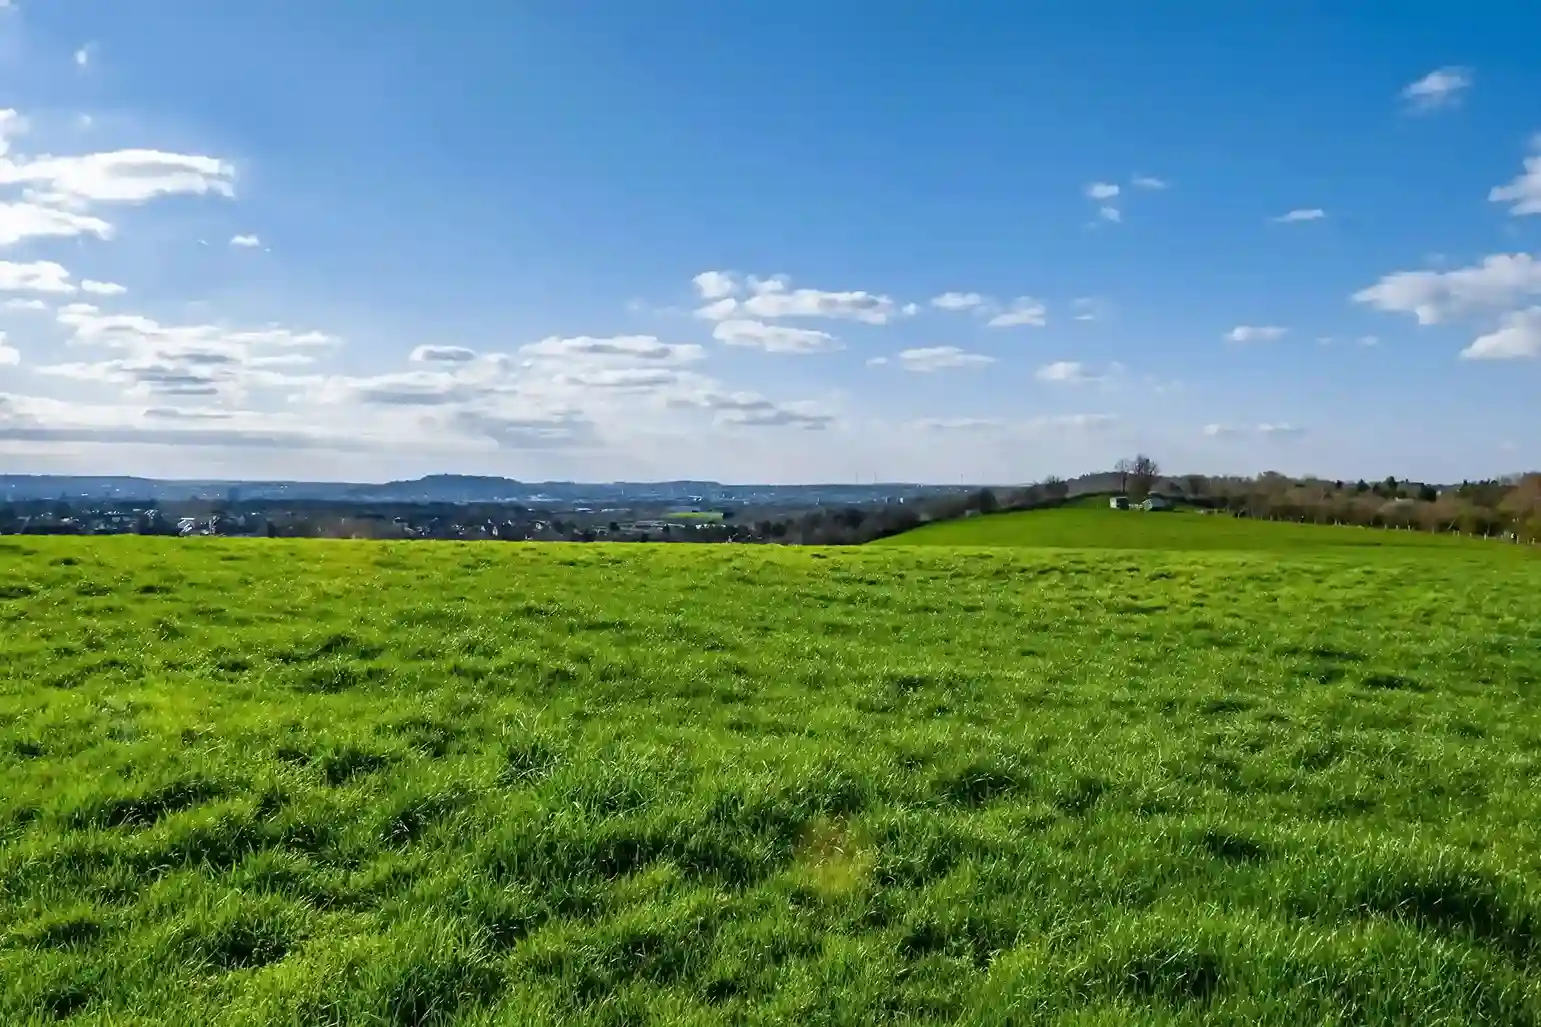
1097,527
312,783
695,515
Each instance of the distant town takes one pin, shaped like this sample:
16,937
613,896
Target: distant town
456,507
435,507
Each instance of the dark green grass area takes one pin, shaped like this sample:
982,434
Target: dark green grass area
1097,527
408,784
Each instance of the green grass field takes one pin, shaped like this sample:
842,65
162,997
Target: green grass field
406,783
1097,527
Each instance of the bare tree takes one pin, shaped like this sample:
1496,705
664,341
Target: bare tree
1123,469
1142,473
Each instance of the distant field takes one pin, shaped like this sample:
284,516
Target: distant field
391,783
1097,527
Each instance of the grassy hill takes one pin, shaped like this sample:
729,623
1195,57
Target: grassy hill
333,782
1095,526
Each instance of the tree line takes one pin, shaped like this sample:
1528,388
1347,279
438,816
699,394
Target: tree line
1508,508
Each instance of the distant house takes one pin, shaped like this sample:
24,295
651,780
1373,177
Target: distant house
1156,503
1118,502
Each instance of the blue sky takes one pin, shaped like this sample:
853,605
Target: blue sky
791,242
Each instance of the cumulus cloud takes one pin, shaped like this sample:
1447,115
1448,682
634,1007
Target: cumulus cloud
442,355
774,299
774,338
29,220
957,300
1435,296
185,360
1148,182
245,241
57,192
9,356
1300,214
941,358
1517,338
1439,89
119,176
36,276
1101,190
102,288
17,304
1110,214
1523,194
1024,310
1255,333
714,285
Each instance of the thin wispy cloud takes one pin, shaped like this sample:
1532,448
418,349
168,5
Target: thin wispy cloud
1440,89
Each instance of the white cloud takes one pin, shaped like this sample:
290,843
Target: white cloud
83,55
9,357
719,310
1368,340
1518,338
1300,214
27,220
631,347
714,285
1101,191
1435,296
245,241
752,410
1148,182
1067,371
1524,193
119,176
876,361
1024,310
773,299
1110,214
36,276
1073,372
102,288
1438,89
1228,430
957,300
19,304
183,360
1255,333
442,355
939,358
641,379
12,124
774,338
